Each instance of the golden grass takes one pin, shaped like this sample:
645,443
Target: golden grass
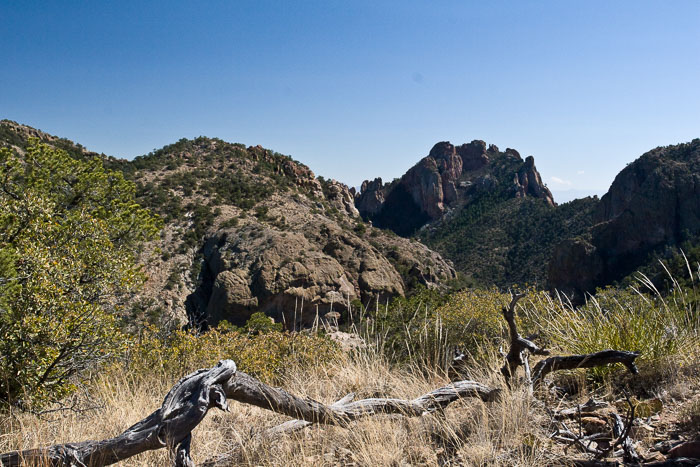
466,433
511,431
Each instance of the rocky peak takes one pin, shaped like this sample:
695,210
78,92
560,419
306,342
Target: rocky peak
442,150
473,155
445,178
514,153
370,199
528,182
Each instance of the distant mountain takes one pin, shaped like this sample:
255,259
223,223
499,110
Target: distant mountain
248,229
651,209
486,210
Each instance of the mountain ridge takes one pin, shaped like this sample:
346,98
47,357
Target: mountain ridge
247,228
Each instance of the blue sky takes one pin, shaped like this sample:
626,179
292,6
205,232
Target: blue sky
360,89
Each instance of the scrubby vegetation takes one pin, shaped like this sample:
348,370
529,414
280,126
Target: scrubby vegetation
407,346
69,234
507,241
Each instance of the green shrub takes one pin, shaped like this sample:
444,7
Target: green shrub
70,232
655,325
267,356
260,323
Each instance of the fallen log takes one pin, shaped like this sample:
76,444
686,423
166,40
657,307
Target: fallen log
189,400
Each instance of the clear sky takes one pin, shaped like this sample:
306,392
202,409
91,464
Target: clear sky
359,89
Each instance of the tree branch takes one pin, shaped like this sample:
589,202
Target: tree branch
570,362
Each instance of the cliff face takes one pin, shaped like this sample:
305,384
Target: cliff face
447,177
654,202
247,229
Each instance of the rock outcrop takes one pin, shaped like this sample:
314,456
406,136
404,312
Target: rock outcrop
340,197
652,203
445,178
528,181
370,199
312,267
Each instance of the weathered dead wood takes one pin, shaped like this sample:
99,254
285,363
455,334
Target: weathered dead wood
571,362
188,401
519,346
247,389
587,408
622,432
183,408
307,412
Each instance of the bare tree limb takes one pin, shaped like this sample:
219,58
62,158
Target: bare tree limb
519,346
571,362
183,408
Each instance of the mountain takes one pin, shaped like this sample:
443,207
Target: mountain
486,210
248,229
651,209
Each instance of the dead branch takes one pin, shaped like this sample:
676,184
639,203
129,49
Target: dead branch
622,432
571,362
246,389
519,346
188,401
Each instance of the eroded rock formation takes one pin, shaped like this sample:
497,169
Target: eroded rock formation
445,178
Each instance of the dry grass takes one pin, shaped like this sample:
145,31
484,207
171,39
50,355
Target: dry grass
511,431
466,433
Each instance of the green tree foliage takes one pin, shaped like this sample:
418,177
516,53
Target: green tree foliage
69,235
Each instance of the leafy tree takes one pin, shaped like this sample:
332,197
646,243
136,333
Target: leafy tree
69,235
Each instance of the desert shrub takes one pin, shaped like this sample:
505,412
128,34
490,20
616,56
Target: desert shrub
267,356
70,232
260,323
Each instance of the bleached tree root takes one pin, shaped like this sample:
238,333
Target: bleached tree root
189,400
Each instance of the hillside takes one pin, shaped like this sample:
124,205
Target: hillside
651,210
486,210
248,229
